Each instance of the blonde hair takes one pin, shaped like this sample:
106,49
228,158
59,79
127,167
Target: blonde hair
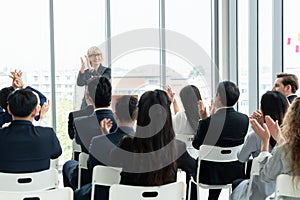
291,132
92,50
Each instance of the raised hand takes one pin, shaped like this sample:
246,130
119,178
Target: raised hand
44,109
258,116
170,93
106,125
274,130
262,132
202,110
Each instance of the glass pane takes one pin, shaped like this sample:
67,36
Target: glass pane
265,46
135,46
78,26
243,46
291,38
188,45
25,43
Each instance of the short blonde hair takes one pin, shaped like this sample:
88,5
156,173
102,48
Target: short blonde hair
93,50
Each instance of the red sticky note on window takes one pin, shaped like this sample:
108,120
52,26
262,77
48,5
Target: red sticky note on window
289,41
297,48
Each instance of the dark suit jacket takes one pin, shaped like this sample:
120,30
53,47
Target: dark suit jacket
102,71
27,148
88,127
102,145
78,113
292,97
226,128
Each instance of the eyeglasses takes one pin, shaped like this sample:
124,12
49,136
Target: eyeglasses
94,55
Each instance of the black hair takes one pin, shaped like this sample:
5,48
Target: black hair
229,93
103,93
22,102
154,131
274,104
126,108
190,95
4,93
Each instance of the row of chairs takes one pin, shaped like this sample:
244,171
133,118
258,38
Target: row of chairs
44,185
214,154
41,185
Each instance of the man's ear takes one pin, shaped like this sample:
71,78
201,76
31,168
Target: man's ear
36,111
288,88
8,110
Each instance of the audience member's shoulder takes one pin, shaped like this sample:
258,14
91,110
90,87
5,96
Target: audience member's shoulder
180,145
126,143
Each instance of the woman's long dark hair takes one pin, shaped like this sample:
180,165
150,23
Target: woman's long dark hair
154,131
190,95
274,104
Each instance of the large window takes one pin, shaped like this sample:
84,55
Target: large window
243,51
291,37
135,46
78,25
265,46
188,45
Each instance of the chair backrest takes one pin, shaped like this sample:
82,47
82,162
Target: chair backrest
287,187
82,165
187,139
106,176
254,172
54,163
174,191
76,149
181,176
35,181
57,194
219,154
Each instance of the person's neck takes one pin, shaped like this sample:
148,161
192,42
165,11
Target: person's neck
129,124
28,118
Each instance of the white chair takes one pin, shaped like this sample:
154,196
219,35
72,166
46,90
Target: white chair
214,154
82,165
54,163
181,176
188,140
287,187
174,191
76,149
35,181
254,172
106,176
57,194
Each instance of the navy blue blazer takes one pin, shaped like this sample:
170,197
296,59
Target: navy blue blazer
102,145
88,127
226,128
27,148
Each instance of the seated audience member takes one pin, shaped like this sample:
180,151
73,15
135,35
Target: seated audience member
17,83
24,147
275,105
284,158
101,146
287,84
88,127
152,156
99,90
225,128
186,122
78,113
